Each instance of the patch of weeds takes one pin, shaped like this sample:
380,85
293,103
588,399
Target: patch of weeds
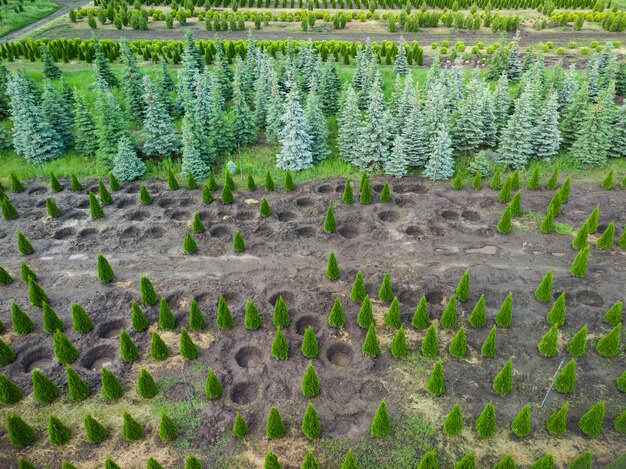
563,228
186,418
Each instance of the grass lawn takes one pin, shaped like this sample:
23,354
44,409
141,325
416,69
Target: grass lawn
33,10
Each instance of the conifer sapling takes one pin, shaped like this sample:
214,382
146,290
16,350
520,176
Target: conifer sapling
398,344
139,321
95,431
448,319
158,348
457,346
370,344
275,428
430,344
64,351
420,319
590,423
543,292
332,268
358,292
144,196
58,433
485,424
310,423
381,423
336,318
264,209
504,317
213,386
167,428
435,383
280,347
548,343
238,243
23,245
309,343
453,424
557,422
240,427
148,295
44,390
111,386
167,320
608,345
131,429
330,226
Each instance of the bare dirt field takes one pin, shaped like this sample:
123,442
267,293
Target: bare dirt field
425,238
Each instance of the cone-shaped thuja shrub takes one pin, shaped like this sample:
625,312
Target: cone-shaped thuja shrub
268,183
20,433
128,349
158,348
547,345
463,288
457,182
55,185
51,322
26,272
189,244
336,318
477,182
111,386
566,380
7,355
621,242
516,204
392,317
288,183
310,423
398,345
238,243
114,184
172,183
556,315
543,291
227,195
23,245
370,344
620,423
22,323
264,209
605,242
188,349
152,463
507,462
577,345
557,422
271,461
347,197
64,350
621,382
95,210
81,322
310,383
131,429
435,384
453,424
457,346
330,226
554,178
95,431
309,343
44,390
191,182
207,197
547,223
250,183
358,292
381,423
428,461
478,317
10,393
58,433
504,195
580,240
385,194
167,320
240,427
584,461
5,277
485,424
105,272
521,423
385,292
448,319
110,464
146,387
504,224
332,268
349,461
144,196
148,295
252,319
75,185
139,321
430,344
365,198
281,314
104,194
466,462
196,318
420,319
533,181
591,421
224,319
592,220
212,386
52,208
280,347
614,314
274,428
77,389
16,185
504,317
167,428
608,346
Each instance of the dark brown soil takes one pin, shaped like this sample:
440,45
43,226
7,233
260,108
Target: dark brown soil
426,237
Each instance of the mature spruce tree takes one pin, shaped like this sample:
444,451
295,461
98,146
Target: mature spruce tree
131,84
58,114
158,132
275,109
440,165
110,126
516,146
194,160
467,134
102,69
547,138
318,128
375,131
295,139
244,124
349,133
85,141
593,139
330,84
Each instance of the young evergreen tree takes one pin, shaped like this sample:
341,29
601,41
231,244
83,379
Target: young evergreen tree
420,319
478,317
50,320
453,423
609,344
295,140
440,165
488,348
9,212
213,386
7,355
64,350
330,225
20,433
104,194
310,424
280,346
126,165
271,461
593,138
332,268
105,272
516,143
358,292
167,320
605,241
430,344
428,461
275,428
504,195
23,245
448,318
584,461
95,431
58,433
370,344
435,384
566,380
504,317
521,423
614,314
579,264
365,198
310,383
78,390
580,240
457,346
392,317
44,390
288,183
485,424
309,343
547,345
577,345
131,429
158,347
148,295
167,428
385,292
110,126
590,423
556,315
557,422
10,393
503,381
111,386
504,224
22,323
543,292
146,387
381,423
240,427
466,462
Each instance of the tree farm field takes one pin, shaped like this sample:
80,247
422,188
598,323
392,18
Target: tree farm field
425,238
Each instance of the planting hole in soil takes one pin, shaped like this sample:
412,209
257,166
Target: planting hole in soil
220,231
350,231
154,232
99,357
589,298
389,216
288,297
449,215
372,391
64,233
137,215
414,231
165,202
244,393
249,357
325,189
110,329
287,216
304,202
470,215
487,249
124,203
339,354
40,357
305,231
306,321
435,297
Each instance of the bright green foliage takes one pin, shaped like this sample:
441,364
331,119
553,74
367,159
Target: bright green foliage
146,387
189,244
457,182
105,272
430,344
281,314
448,319
565,190
310,383
191,182
5,277
66,465
288,183
58,433
621,242
545,462
620,423
252,319
309,461
607,182
224,319
52,208
309,343
20,433
104,194
330,226
608,346
457,346
435,383
7,355
503,381
196,225
477,181
238,243
557,422
504,317
385,292
227,196
332,268
547,222
605,242
144,196
114,183
81,322
77,389
533,181
485,424
463,288
577,345
25,273
139,321
584,461
358,292
269,182
370,344
207,197
366,195
64,351
95,210
280,347
516,204
614,314
188,349
51,322
591,421
392,317
148,295
566,380
556,315
167,320
554,178
420,319
504,224
250,183
478,317
544,290
347,197
167,428
547,345
336,318
310,423
495,180
264,209
271,460
16,185
466,462
23,245
521,423
428,461
381,423
152,463
110,464
196,318
621,382
453,424
95,431
213,386
75,185
228,181
240,427
10,393
111,386
504,195
592,220
365,317
349,462
22,323
385,194
55,185
580,240
172,183
9,212
44,390
488,348
131,429
506,462
398,344
275,428
158,348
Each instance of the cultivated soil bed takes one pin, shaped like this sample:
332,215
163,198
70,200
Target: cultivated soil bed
425,238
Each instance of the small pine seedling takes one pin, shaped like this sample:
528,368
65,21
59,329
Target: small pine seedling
167,320
44,390
554,178
139,321
207,197
94,430
336,318
608,345
579,264
365,197
557,422
533,181
158,347
104,194
240,427
271,461
131,429
566,380
428,461
580,240
274,428
189,244
148,295
385,194
227,195
212,386
504,317
607,182
488,349
172,182
365,317
224,319
504,224
288,183
95,210
9,212
392,317
614,314
385,292
516,204
128,349
58,433
269,182
430,344
577,345
238,243
36,294
504,195
358,292
544,462
7,355
398,345
448,318
191,182
22,323
78,389
466,462
20,433
605,242
146,387
309,343
75,185
114,184
495,180
252,319
347,197
463,288
457,182
547,345
592,220
547,222
111,386
196,225
420,319
23,245
280,347
105,272
55,185
457,346
25,272
250,183
281,313
584,461
264,209
557,313
590,423
167,428
50,319
310,383
10,393
64,350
